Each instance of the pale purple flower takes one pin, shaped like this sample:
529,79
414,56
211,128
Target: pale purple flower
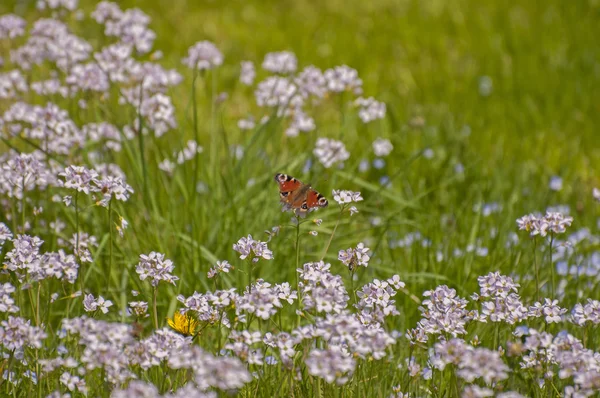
60,266
16,333
261,299
536,225
474,391
397,392
279,92
343,78
310,81
156,268
50,40
130,26
320,290
5,234
110,187
104,133
557,222
354,258
139,308
247,123
203,55
156,348
330,152
375,300
159,113
11,26
189,152
25,258
50,87
92,304
12,84
283,62
247,73
333,364
556,183
248,247
87,77
221,267
499,299
22,172
589,312
370,109
70,5
301,122
472,363
168,166
107,10
104,345
596,194
225,373
116,61
85,242
73,383
79,178
382,147
7,303
550,310
443,312
343,196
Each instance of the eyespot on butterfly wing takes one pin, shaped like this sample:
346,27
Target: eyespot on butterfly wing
315,199
296,195
287,186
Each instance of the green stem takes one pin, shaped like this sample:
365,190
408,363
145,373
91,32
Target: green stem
250,266
110,243
537,271
552,264
37,305
76,224
333,233
196,137
141,144
297,265
352,285
23,205
155,293
297,250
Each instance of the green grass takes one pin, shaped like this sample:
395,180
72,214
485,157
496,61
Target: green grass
424,59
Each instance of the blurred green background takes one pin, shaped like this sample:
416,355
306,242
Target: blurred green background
510,90
542,58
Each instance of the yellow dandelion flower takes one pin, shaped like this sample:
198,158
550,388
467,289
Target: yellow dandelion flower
183,323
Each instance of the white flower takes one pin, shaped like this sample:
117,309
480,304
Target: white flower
353,258
91,304
203,55
343,197
370,109
556,183
247,73
382,147
330,152
280,62
596,194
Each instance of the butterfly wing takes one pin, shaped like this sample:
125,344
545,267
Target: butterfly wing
315,199
288,188
298,196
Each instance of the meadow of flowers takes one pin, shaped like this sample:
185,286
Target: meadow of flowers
145,253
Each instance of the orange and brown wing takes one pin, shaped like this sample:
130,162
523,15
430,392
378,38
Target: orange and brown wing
288,185
315,199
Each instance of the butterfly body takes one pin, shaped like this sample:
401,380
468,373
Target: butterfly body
297,196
